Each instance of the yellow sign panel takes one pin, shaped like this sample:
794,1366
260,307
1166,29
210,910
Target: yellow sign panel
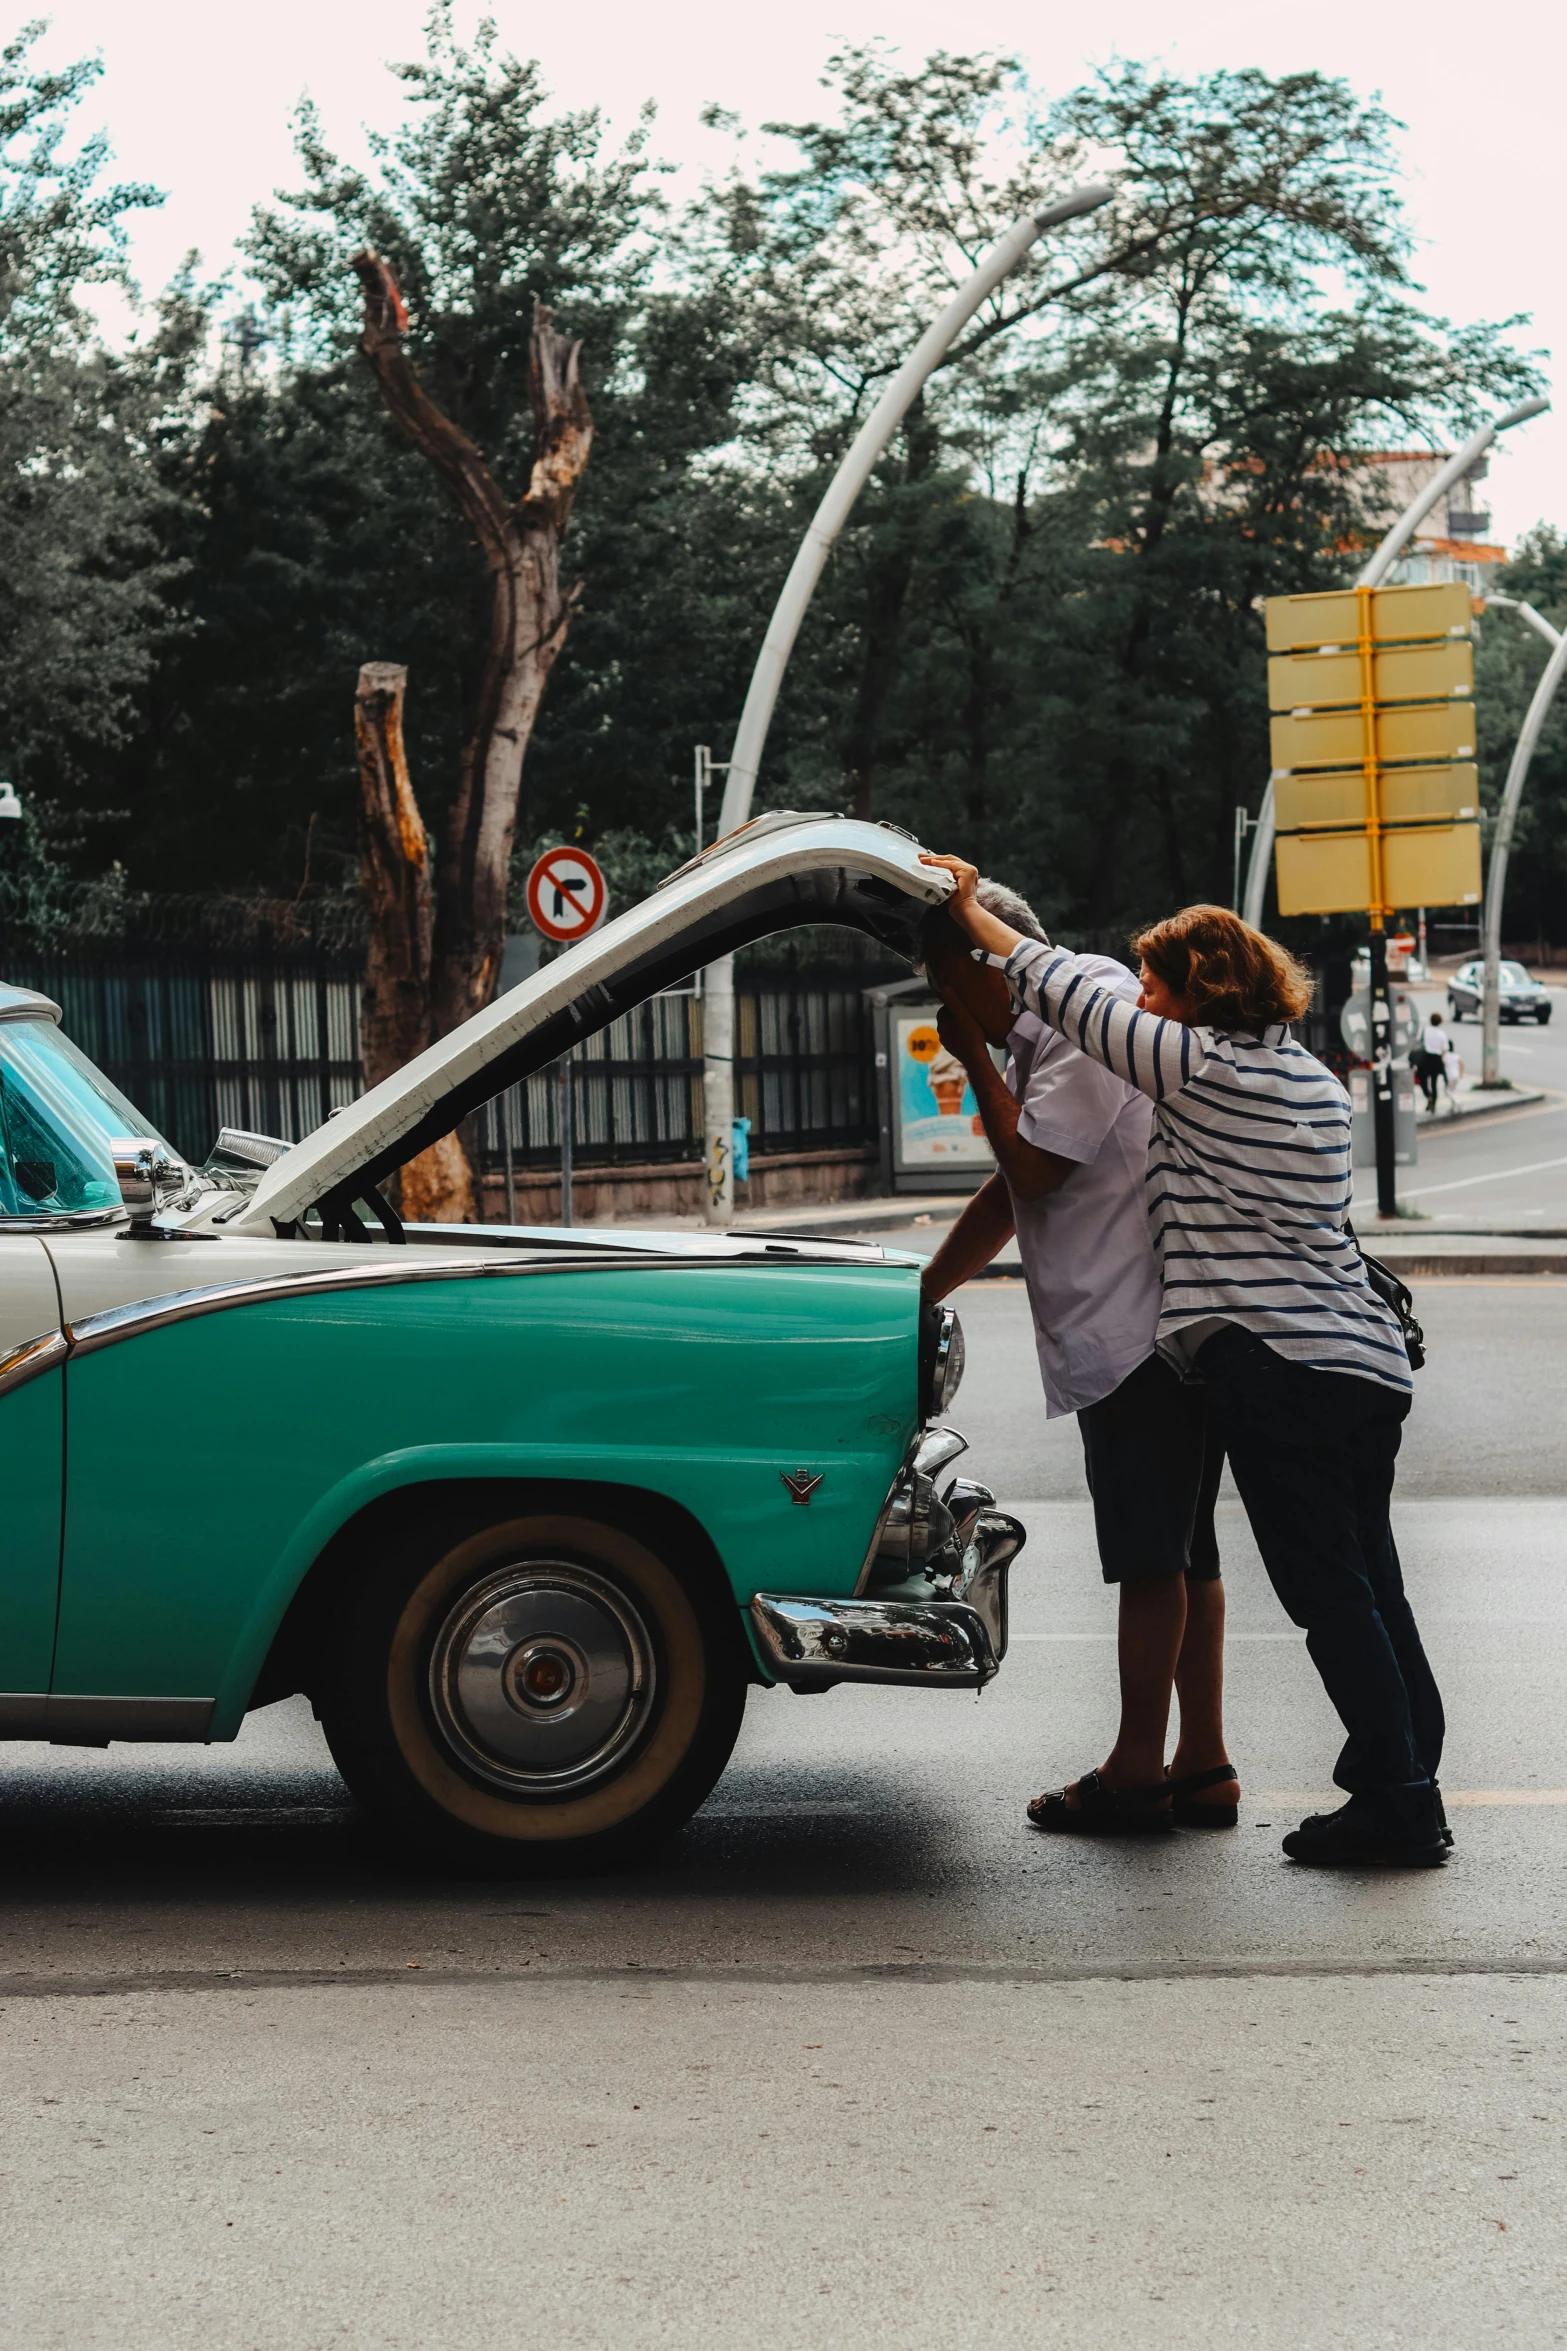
1402,673
1410,795
1432,865
1425,865
1332,738
1323,873
1295,622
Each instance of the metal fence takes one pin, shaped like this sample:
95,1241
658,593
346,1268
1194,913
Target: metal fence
805,1077
201,1038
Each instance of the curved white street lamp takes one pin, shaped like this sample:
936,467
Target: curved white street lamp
718,996
1375,572
1502,835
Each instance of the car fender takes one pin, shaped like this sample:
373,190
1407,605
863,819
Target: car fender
685,1479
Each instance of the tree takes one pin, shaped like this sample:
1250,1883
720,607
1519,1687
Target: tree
83,583
1094,667
485,211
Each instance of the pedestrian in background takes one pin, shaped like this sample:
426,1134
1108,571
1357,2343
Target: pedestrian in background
1430,1057
1266,1299
1452,1074
1071,1143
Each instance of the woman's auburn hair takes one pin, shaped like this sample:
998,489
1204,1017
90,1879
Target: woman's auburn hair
1229,975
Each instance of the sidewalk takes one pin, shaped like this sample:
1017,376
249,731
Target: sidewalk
1416,1252
1475,1101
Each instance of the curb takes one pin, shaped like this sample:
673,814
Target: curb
1436,1122
1428,1264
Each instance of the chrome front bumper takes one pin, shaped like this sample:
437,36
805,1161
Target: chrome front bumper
932,1608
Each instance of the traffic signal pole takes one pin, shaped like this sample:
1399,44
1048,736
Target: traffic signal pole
1383,1124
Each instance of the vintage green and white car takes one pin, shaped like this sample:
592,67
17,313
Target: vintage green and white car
525,1512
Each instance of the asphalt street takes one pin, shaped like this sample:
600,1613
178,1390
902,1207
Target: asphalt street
1505,1171
856,2058
1509,1168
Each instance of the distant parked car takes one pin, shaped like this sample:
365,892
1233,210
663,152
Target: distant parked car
1522,998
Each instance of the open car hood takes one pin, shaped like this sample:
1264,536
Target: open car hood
780,872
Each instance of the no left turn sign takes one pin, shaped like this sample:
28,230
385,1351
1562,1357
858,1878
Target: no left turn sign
566,895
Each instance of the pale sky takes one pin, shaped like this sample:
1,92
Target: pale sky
197,95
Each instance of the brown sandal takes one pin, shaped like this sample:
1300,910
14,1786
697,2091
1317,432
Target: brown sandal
1103,1812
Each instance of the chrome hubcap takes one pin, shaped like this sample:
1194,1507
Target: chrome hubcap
541,1677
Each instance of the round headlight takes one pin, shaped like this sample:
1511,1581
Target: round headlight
948,1372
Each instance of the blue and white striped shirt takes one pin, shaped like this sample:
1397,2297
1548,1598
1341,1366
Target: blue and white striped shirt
1248,1174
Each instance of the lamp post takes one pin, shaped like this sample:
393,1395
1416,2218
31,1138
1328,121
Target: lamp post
790,610
1375,572
1502,836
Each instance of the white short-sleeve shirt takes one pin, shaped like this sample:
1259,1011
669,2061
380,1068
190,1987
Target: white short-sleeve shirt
1088,1260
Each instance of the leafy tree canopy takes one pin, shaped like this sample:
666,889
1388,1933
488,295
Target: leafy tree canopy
1038,639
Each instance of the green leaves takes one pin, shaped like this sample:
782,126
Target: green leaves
1038,637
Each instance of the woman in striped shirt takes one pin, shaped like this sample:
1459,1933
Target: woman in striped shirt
1265,1299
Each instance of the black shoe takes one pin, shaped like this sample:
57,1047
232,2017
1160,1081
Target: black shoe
1441,1816
1356,1837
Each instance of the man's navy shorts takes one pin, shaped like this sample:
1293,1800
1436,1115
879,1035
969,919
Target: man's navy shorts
1153,1462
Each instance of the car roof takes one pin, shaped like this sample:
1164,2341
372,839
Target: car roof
780,872
26,1004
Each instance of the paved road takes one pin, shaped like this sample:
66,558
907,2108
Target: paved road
1506,1169
856,2059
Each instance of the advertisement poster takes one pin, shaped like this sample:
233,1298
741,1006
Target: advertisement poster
938,1119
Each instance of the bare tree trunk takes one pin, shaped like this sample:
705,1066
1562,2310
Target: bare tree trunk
529,616
394,874
394,867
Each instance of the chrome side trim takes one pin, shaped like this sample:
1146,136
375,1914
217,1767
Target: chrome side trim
29,1361
91,1722
146,1314
73,1220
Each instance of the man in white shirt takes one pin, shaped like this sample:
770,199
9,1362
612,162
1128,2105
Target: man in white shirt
1071,1143
1431,1059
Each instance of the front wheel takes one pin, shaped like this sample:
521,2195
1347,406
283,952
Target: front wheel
542,1694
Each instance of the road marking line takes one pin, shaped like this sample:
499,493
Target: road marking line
1111,1636
1453,1798
1505,1796
1464,1183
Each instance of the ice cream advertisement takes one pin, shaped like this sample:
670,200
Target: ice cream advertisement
938,1120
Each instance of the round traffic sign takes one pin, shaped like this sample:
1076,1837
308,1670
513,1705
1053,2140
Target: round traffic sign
1354,1024
566,895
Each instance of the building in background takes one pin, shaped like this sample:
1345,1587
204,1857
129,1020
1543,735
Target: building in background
1451,543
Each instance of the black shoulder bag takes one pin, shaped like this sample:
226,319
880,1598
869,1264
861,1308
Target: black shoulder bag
1394,1291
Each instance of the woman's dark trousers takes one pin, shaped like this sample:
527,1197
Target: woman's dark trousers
1312,1454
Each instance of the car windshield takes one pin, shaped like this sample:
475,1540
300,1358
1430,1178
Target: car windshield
1514,976
59,1119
